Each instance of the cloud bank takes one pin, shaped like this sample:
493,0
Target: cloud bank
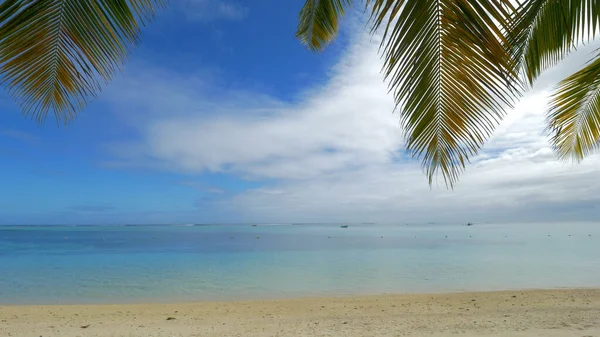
335,153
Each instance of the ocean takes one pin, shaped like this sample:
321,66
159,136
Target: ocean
148,264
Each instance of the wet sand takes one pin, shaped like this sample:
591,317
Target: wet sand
553,313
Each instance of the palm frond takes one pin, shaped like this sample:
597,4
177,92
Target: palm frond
574,116
451,75
56,54
319,22
543,32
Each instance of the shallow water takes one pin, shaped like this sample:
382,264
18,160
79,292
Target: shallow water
41,265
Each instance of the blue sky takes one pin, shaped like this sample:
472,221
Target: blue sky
222,116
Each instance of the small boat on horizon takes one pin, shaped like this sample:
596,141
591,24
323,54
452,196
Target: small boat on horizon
344,226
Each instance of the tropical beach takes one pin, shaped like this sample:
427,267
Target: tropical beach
340,168
307,280
547,313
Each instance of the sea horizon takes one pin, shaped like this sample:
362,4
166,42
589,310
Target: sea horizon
106,264
328,223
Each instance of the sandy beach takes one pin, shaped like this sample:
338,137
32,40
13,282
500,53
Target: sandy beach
529,313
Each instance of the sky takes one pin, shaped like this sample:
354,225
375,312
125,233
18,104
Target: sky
222,116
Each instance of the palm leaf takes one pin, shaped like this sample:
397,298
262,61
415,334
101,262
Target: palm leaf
543,32
319,22
450,74
574,117
56,54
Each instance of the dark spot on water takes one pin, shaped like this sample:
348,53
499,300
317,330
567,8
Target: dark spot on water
85,326
170,318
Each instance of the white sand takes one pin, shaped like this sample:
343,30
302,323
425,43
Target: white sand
548,313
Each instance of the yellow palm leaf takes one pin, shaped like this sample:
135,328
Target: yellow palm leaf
319,22
56,54
574,117
449,70
543,32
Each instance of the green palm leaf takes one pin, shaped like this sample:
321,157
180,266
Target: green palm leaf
319,22
453,68
447,65
574,117
543,32
56,54
450,75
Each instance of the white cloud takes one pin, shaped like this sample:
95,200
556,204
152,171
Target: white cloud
335,153
346,123
210,10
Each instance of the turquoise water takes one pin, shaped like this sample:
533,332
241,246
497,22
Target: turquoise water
47,265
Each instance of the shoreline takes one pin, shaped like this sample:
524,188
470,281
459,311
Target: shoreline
550,312
292,298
